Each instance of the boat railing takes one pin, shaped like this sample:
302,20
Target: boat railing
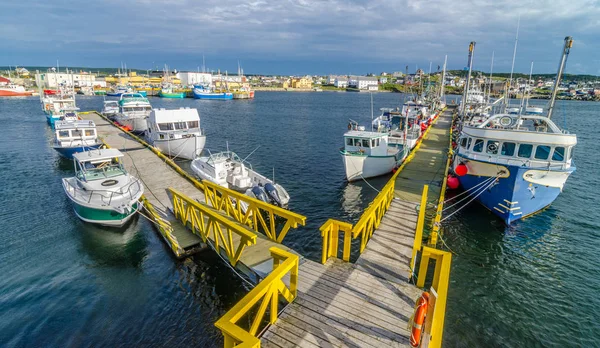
132,190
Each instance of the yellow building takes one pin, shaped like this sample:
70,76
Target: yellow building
301,83
134,79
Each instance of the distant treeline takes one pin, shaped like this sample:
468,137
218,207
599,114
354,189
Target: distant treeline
566,77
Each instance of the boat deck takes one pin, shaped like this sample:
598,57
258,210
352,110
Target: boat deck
157,176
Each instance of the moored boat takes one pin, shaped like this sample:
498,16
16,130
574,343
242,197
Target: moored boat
71,137
369,154
12,90
176,133
102,191
134,109
169,92
203,92
230,171
110,108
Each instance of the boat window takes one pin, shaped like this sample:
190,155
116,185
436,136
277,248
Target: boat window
76,133
372,142
571,150
469,143
365,142
492,147
356,142
63,134
349,141
559,154
89,132
478,147
162,136
377,142
542,152
193,124
165,126
525,150
463,142
508,149
180,125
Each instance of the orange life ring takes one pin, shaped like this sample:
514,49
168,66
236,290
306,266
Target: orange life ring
419,319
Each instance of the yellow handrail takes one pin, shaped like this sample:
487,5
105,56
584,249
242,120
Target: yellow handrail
434,321
268,290
164,227
330,233
227,200
203,220
436,225
419,231
371,217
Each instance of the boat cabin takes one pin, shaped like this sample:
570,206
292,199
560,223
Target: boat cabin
528,141
60,106
134,103
367,143
179,123
100,164
74,133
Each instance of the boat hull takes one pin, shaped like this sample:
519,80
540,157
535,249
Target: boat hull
68,152
51,119
105,217
179,95
9,93
213,96
363,166
133,124
243,95
521,192
187,148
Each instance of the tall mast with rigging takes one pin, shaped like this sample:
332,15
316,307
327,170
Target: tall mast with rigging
561,67
466,89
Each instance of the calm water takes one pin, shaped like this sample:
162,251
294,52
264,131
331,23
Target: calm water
66,283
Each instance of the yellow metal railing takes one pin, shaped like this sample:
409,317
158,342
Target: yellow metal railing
436,311
436,225
371,217
267,292
228,201
226,234
164,227
419,230
330,232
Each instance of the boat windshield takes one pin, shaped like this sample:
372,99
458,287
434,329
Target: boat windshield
226,155
96,171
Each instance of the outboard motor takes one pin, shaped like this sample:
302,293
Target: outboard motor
273,194
260,194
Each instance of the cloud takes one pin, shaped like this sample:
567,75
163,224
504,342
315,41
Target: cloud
316,35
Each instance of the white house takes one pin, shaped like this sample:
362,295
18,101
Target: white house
189,78
54,79
341,82
372,88
383,79
363,82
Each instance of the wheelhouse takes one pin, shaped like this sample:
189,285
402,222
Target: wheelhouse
70,132
98,165
366,143
174,124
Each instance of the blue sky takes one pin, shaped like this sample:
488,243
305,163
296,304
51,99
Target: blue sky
300,36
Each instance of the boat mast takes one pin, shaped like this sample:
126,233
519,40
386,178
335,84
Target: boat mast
371,93
443,78
512,69
490,83
561,67
529,89
525,98
466,89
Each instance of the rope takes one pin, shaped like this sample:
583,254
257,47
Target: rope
466,191
459,209
486,181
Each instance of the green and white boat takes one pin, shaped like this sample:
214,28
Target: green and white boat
102,191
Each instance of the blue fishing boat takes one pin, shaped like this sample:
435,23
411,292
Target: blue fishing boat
203,92
59,108
71,137
516,164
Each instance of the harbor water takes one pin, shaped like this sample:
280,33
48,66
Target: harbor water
67,283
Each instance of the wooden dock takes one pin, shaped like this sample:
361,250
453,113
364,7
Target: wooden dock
158,176
368,303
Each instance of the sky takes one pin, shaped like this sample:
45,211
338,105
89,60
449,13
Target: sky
296,37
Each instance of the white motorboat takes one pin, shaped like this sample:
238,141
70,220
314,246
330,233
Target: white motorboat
110,108
230,171
369,154
134,109
75,136
102,191
176,133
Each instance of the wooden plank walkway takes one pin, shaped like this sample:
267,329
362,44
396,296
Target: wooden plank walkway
368,303
157,176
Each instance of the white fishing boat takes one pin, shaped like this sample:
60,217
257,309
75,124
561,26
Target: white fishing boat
110,108
369,154
134,109
230,171
71,137
102,191
176,133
